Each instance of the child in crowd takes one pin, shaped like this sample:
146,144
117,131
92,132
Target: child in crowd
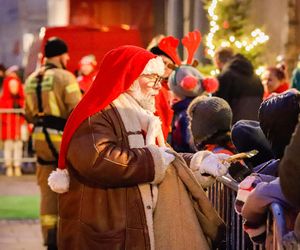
274,81
12,98
87,72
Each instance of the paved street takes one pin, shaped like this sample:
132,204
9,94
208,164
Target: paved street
19,234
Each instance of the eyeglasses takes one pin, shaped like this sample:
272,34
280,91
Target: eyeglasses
155,79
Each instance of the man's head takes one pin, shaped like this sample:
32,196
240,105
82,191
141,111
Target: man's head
57,50
222,56
147,85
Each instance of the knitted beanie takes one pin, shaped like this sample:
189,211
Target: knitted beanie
208,115
55,47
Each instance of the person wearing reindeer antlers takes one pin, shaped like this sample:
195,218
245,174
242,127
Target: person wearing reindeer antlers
120,186
164,97
186,82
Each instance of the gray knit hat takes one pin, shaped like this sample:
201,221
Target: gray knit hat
208,115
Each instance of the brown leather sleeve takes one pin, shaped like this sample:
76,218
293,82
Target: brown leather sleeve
99,153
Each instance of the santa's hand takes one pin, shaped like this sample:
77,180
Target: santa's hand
209,163
167,156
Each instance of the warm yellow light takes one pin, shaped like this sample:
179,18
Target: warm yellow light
259,37
260,70
238,44
225,44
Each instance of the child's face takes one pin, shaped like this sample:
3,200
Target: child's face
270,80
13,86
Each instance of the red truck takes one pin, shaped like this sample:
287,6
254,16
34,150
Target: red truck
82,41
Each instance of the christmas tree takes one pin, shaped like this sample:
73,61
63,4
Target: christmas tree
230,27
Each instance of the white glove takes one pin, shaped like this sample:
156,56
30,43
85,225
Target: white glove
167,156
214,164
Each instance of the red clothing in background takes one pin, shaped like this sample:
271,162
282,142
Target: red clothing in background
11,123
85,81
163,110
283,87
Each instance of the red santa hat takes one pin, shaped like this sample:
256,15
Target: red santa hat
120,67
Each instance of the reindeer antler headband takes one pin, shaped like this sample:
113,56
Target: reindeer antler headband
191,42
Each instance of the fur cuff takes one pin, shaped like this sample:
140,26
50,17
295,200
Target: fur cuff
59,181
204,181
159,166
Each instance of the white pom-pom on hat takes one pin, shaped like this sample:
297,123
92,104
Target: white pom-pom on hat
154,66
59,181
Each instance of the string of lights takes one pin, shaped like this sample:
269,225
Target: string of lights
257,36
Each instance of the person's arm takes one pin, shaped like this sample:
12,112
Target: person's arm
97,157
289,169
260,198
256,206
30,90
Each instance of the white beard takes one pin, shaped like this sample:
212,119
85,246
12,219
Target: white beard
147,101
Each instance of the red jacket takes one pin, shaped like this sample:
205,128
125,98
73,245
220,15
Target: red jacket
11,123
163,110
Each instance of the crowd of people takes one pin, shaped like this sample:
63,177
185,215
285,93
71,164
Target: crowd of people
132,144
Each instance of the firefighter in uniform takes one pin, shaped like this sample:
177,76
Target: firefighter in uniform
51,94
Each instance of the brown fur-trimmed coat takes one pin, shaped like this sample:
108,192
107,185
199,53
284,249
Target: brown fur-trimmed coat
110,203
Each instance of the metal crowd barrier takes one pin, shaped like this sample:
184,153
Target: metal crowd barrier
222,195
26,158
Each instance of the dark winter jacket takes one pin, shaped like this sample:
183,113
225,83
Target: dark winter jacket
241,88
289,172
181,136
278,117
289,169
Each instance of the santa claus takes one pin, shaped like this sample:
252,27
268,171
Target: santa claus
121,186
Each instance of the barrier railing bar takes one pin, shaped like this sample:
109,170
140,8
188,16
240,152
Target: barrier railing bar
279,226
